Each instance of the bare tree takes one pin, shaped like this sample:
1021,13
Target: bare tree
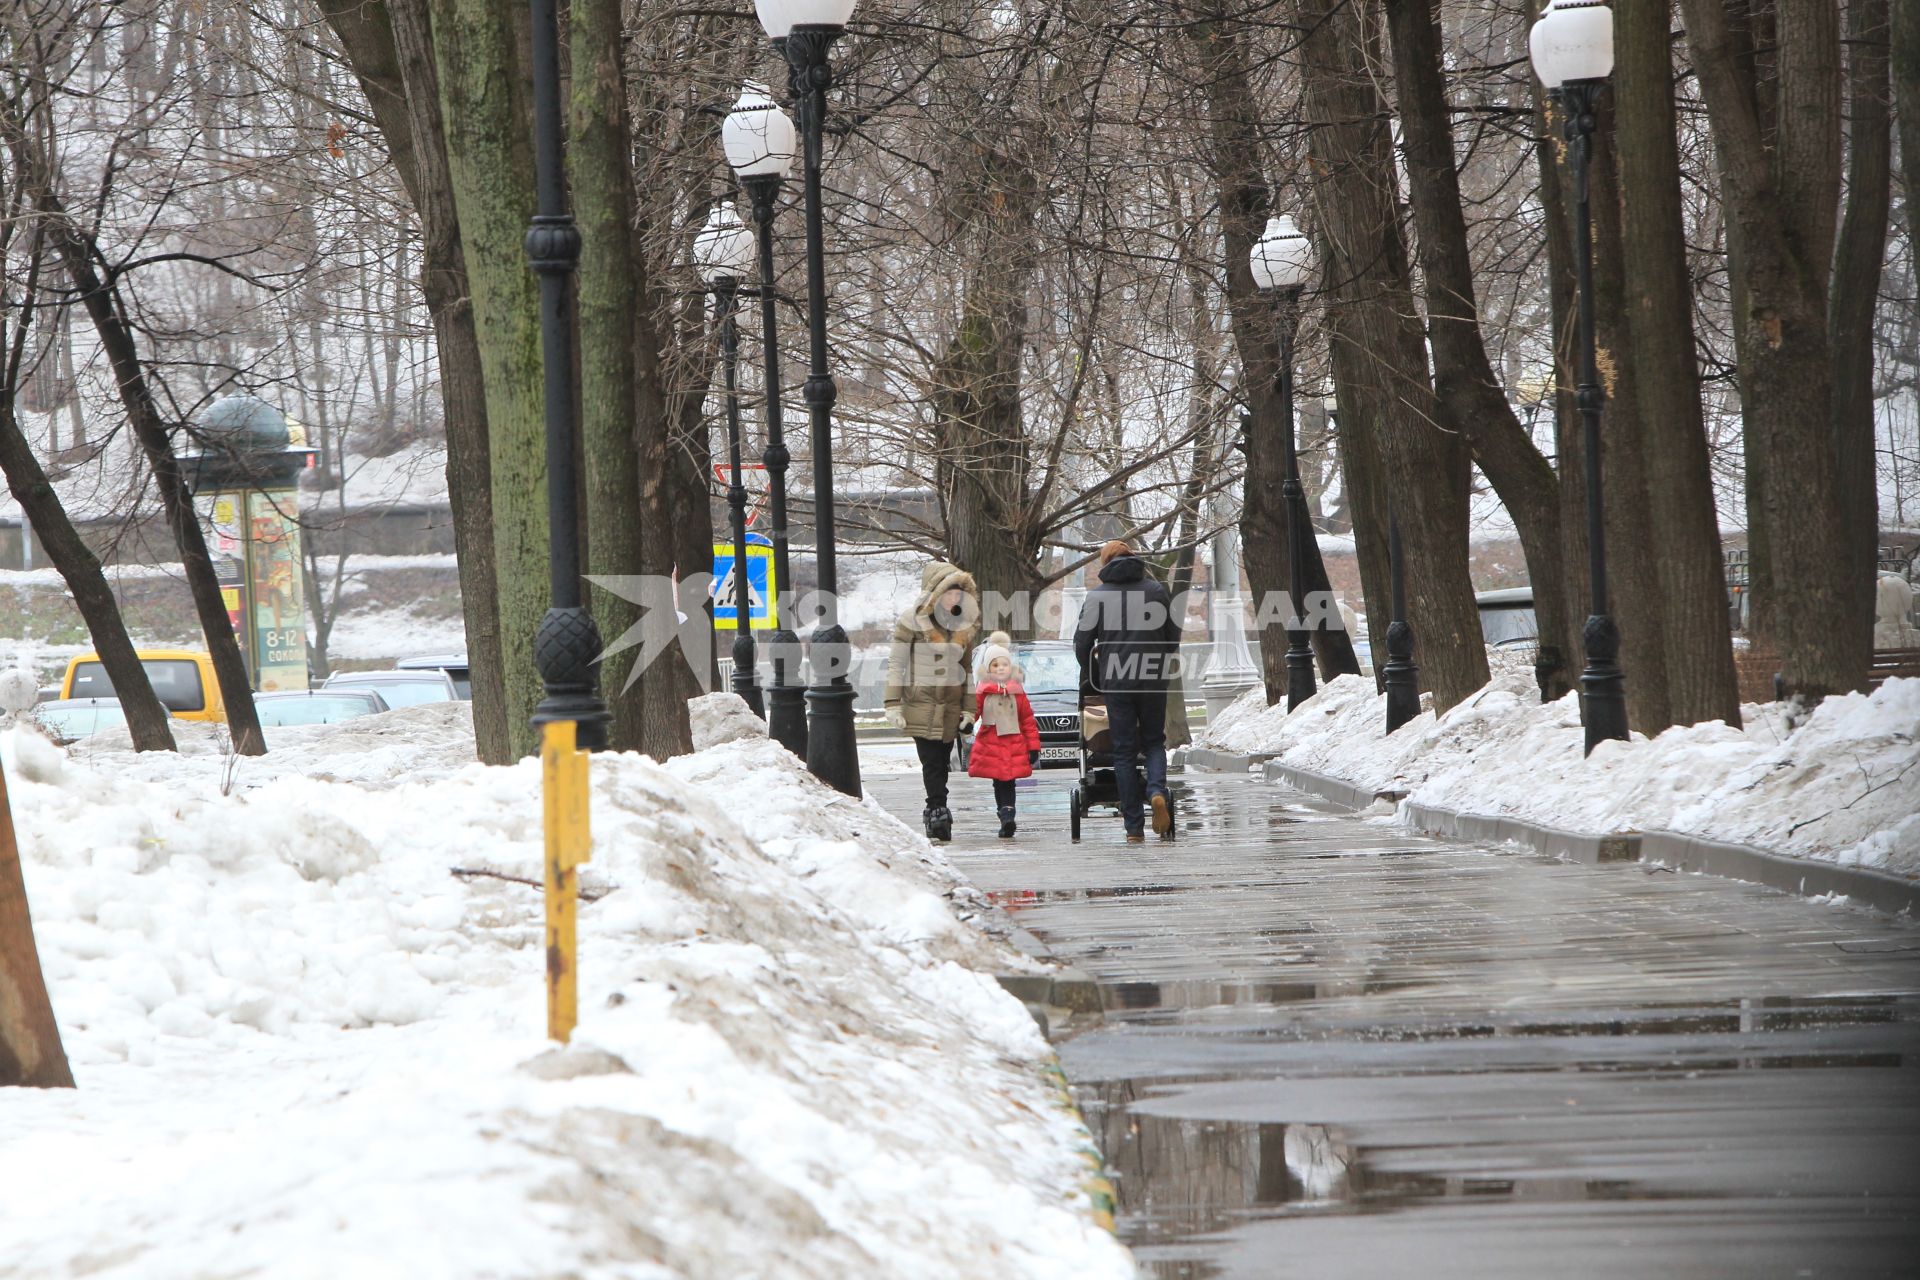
30,1049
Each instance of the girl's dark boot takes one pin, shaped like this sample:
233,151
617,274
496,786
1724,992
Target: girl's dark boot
1006,822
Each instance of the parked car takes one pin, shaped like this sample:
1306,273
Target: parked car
1051,677
316,706
454,664
1506,618
71,719
398,688
182,679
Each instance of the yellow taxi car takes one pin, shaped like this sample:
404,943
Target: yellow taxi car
182,678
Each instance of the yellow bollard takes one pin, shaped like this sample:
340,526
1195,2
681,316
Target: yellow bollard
569,843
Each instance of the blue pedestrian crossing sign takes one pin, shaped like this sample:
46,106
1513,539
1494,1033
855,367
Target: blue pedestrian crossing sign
762,590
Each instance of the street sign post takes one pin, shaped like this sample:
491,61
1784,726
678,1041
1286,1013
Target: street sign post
762,590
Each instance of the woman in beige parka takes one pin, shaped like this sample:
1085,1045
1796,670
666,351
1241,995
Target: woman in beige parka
930,678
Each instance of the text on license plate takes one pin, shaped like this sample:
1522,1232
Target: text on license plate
1058,753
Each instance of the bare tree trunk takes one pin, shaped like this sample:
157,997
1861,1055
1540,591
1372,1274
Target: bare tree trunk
1202,414
31,1054
1781,188
443,282
600,161
1232,155
665,687
1905,62
690,498
1371,310
1470,398
389,47
1632,570
1680,513
1363,469
79,568
81,255
1850,307
487,118
983,458
1569,455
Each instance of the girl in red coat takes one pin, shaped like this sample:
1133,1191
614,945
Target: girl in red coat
1006,741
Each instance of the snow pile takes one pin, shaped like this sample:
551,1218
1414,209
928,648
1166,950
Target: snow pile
855,854
18,689
722,717
305,1048
1844,787
408,744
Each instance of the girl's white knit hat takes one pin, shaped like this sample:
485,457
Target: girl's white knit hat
999,645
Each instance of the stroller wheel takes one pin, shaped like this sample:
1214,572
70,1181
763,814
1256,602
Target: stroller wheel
1073,813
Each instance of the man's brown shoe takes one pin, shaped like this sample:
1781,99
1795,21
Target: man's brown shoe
1162,815
1135,837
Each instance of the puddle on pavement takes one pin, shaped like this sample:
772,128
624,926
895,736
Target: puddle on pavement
1176,1000
1176,1179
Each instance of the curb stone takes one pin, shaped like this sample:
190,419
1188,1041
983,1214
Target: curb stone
1877,889
1338,790
1073,994
1804,877
1096,1184
1482,828
1222,761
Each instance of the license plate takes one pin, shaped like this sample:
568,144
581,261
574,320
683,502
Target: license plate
1058,753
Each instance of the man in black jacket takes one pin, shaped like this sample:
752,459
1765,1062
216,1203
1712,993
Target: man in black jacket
1128,643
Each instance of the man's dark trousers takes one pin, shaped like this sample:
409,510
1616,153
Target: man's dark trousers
1138,722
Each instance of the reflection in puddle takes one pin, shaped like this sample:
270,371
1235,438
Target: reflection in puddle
1177,1179
1181,999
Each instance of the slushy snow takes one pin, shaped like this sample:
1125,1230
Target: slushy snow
305,1048
1843,787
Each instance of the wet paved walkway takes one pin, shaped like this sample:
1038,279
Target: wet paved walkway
1333,1049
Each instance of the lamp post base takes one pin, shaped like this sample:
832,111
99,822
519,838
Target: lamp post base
1221,690
833,754
563,650
1300,682
1603,686
1400,676
746,678
787,695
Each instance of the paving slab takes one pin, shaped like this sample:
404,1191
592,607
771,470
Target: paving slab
1332,1047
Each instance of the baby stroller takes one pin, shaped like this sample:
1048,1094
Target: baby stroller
1098,783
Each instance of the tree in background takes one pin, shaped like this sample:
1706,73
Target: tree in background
1696,655
1395,452
1230,150
1770,75
30,1051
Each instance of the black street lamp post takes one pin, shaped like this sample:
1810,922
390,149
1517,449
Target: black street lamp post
810,27
567,642
1281,260
1400,676
760,143
724,251
1572,52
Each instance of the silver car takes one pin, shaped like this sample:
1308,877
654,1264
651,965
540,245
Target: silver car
71,719
398,688
316,706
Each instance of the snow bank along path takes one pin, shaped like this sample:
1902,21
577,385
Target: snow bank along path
1844,787
305,1049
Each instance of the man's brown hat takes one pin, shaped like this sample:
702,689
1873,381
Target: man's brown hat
1112,549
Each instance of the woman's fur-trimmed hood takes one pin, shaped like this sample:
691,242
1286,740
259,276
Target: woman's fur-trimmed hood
936,580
